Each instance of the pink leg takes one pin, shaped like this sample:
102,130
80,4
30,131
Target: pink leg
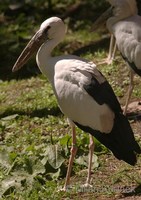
111,54
131,87
73,153
112,50
91,150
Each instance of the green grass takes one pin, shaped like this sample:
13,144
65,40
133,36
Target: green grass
31,123
33,131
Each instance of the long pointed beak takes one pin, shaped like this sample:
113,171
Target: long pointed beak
29,50
102,19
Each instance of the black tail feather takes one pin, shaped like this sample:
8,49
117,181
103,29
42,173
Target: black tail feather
120,141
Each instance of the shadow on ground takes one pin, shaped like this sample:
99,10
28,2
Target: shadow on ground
135,192
55,111
31,69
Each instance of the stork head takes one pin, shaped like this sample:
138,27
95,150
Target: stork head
124,8
52,28
119,8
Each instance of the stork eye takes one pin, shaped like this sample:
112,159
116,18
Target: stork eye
46,29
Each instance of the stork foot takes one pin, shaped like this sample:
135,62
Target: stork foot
106,61
62,189
65,189
110,61
87,185
134,110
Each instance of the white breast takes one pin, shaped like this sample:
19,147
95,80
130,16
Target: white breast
74,101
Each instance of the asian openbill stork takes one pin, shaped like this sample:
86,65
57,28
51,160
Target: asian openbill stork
125,27
101,19
113,46
83,95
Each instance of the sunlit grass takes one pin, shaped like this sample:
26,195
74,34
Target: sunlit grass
83,36
31,122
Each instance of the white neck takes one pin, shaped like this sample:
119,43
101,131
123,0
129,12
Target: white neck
110,23
44,59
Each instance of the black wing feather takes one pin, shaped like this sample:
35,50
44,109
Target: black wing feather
103,93
133,66
139,6
121,139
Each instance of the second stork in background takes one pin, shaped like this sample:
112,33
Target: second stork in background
125,26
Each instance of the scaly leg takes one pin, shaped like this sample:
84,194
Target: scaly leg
112,50
131,87
73,153
111,46
91,150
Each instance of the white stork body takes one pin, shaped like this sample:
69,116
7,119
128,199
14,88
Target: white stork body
70,74
122,10
128,39
125,26
135,26
83,95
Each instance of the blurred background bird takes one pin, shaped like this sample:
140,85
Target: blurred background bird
125,28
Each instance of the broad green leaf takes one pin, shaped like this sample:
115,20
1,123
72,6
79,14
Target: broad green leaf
10,117
55,175
44,160
13,155
34,166
83,160
64,140
55,158
9,184
4,159
95,162
38,168
7,191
